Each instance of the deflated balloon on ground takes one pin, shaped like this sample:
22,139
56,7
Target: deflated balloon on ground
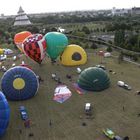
19,83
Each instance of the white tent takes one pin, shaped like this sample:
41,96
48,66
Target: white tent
107,54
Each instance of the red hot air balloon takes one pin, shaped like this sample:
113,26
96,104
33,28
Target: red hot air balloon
34,47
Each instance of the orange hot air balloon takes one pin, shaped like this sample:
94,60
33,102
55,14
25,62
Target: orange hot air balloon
34,47
20,37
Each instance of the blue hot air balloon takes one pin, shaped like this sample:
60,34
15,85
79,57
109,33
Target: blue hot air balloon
4,114
19,83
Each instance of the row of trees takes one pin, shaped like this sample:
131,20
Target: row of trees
126,28
129,41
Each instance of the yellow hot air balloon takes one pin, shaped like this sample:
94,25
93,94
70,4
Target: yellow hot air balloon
1,51
73,55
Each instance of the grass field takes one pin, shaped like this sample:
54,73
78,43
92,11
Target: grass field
66,121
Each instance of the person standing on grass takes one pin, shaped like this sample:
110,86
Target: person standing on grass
50,123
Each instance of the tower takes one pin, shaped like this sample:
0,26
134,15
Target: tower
21,18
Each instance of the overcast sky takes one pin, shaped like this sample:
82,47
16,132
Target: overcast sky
10,7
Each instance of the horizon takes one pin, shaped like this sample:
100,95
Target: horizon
53,6
66,11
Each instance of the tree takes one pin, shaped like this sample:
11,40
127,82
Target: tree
110,42
135,57
86,46
53,29
133,42
94,46
120,57
33,29
80,34
86,30
119,37
109,49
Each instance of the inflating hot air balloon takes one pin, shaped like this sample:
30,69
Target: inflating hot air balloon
34,47
56,43
94,79
73,55
4,114
20,37
19,83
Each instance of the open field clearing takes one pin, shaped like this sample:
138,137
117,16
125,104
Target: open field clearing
114,108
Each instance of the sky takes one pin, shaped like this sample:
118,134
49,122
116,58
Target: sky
10,7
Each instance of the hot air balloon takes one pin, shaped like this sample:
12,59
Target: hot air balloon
73,55
4,114
93,79
56,43
20,37
19,83
1,51
34,47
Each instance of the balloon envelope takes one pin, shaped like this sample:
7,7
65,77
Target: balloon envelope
93,79
20,37
1,51
19,83
4,114
34,47
73,55
56,43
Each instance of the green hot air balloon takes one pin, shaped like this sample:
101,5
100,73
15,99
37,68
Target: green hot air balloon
93,79
56,43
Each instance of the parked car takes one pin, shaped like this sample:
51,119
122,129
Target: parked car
123,85
109,133
3,57
127,87
23,113
101,66
88,109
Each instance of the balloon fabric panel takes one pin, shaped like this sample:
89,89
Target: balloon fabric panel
4,114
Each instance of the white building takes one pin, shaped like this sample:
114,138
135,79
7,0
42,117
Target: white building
119,12
135,11
21,18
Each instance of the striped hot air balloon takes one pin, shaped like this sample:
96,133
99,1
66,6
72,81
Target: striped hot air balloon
34,47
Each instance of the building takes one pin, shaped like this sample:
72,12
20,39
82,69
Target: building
119,12
135,11
21,18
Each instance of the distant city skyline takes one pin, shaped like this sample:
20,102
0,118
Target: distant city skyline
11,7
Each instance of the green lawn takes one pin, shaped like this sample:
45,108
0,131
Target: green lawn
66,122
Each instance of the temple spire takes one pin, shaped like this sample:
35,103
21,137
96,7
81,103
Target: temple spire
21,18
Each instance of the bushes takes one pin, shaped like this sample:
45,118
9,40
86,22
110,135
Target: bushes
131,55
109,49
94,46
